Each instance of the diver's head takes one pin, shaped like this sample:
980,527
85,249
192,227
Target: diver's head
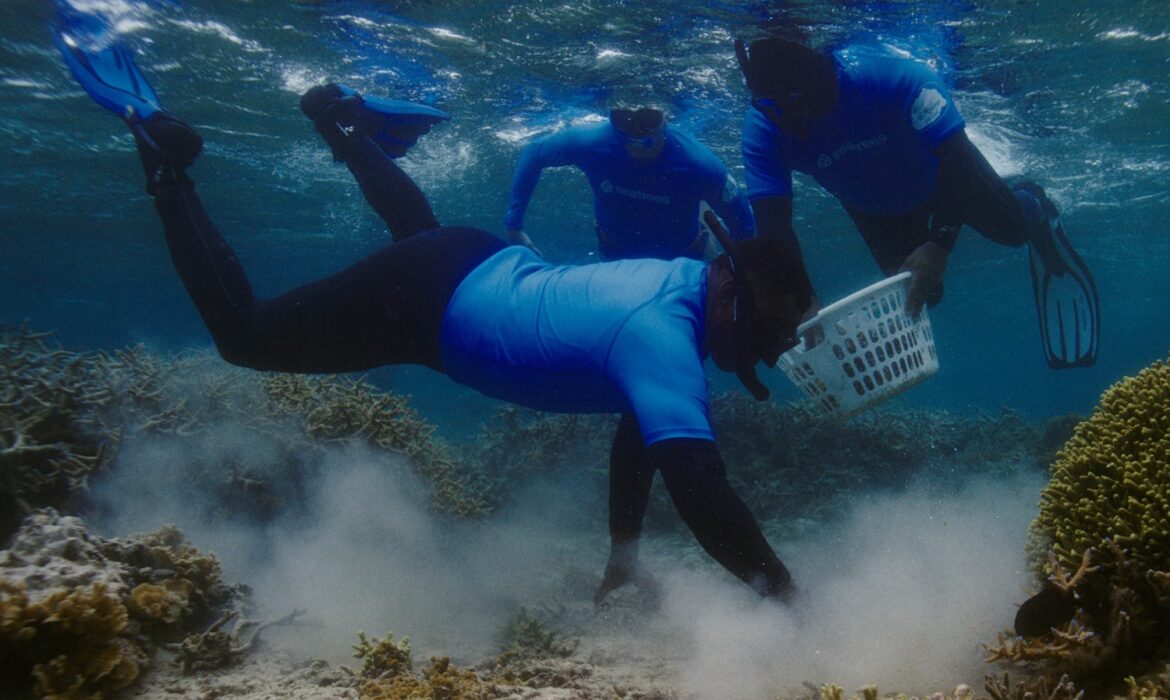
643,130
756,294
791,84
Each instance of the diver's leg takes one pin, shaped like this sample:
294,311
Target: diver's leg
890,239
387,188
695,477
630,478
999,213
386,309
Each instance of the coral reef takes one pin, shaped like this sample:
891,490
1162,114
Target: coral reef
339,409
215,649
47,447
786,461
1105,517
66,416
67,644
79,614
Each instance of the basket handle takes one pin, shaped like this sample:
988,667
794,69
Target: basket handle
849,300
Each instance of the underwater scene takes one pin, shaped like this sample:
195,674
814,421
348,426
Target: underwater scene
176,526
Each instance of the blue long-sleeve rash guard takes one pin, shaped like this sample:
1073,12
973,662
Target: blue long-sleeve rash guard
874,151
603,338
641,205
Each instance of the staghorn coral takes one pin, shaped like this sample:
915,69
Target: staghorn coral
66,417
1105,515
47,448
382,657
338,409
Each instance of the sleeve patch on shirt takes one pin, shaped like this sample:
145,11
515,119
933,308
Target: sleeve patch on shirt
927,108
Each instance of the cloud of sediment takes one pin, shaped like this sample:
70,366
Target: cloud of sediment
901,592
901,595
365,552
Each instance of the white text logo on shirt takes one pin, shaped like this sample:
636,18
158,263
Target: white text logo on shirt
609,188
825,159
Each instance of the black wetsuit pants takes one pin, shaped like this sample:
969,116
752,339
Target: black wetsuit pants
988,205
385,309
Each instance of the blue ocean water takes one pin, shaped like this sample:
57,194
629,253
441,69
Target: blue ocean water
1074,94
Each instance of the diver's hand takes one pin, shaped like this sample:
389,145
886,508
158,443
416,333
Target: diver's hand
815,334
926,264
621,571
518,237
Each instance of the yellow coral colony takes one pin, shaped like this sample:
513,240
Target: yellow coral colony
1111,481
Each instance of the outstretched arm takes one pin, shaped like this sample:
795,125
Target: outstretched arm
697,481
549,151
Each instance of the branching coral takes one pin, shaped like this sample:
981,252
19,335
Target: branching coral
384,657
216,648
47,448
65,416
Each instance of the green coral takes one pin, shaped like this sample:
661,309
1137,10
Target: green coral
1102,536
383,658
1111,481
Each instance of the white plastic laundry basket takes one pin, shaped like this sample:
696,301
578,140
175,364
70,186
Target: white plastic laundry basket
872,349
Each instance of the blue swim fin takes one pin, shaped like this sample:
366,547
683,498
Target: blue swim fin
399,111
1065,293
110,77
396,124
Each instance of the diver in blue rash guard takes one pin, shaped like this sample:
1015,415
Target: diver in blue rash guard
882,134
623,336
648,179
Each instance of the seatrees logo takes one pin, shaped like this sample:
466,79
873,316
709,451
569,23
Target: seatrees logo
927,107
608,187
827,159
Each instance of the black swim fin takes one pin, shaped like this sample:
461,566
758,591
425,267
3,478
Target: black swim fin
1065,293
